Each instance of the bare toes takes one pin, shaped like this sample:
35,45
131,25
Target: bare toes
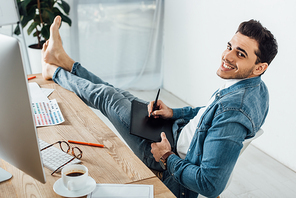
44,47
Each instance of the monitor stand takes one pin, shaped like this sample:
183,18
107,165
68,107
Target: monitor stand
4,175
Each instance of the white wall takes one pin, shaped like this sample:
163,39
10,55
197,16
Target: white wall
196,34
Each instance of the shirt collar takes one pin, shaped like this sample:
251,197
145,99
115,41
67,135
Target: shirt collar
230,82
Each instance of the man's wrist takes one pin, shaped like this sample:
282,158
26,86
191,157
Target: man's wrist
163,159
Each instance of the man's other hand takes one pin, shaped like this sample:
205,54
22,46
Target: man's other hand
158,149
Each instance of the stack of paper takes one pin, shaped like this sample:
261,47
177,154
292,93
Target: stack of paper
46,112
122,191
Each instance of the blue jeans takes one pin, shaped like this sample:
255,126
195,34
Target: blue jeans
114,103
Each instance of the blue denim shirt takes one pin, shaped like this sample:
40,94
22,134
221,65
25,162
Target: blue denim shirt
236,114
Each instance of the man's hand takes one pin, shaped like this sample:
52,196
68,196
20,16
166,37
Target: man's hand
162,111
158,149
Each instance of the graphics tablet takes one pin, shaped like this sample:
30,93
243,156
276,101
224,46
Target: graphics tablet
148,127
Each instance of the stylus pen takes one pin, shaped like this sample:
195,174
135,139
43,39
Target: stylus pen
155,102
31,77
86,143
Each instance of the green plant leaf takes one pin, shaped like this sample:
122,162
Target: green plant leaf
64,17
57,11
26,18
32,27
35,34
49,9
45,32
65,6
52,2
17,30
46,4
66,20
48,16
23,6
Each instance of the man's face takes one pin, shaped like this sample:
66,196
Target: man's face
238,60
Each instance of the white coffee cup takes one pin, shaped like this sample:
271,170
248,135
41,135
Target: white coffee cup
74,176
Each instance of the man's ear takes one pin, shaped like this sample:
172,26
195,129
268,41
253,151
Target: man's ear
260,68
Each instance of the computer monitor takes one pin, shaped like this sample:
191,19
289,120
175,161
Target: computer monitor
18,137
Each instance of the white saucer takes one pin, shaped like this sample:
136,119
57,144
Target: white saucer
61,190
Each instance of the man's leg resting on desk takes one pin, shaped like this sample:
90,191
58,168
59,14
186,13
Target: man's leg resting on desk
114,103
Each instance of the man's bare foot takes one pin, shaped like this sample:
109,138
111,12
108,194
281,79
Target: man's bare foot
55,53
47,69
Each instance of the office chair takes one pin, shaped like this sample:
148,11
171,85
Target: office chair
246,143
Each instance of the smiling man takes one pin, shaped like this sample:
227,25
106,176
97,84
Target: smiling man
207,140
241,59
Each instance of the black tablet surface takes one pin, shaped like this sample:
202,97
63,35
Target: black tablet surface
148,127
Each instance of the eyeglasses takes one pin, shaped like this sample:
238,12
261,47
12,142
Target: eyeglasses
64,146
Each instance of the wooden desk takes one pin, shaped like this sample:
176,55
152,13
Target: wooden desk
115,163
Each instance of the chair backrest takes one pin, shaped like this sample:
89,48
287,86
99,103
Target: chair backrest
247,142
